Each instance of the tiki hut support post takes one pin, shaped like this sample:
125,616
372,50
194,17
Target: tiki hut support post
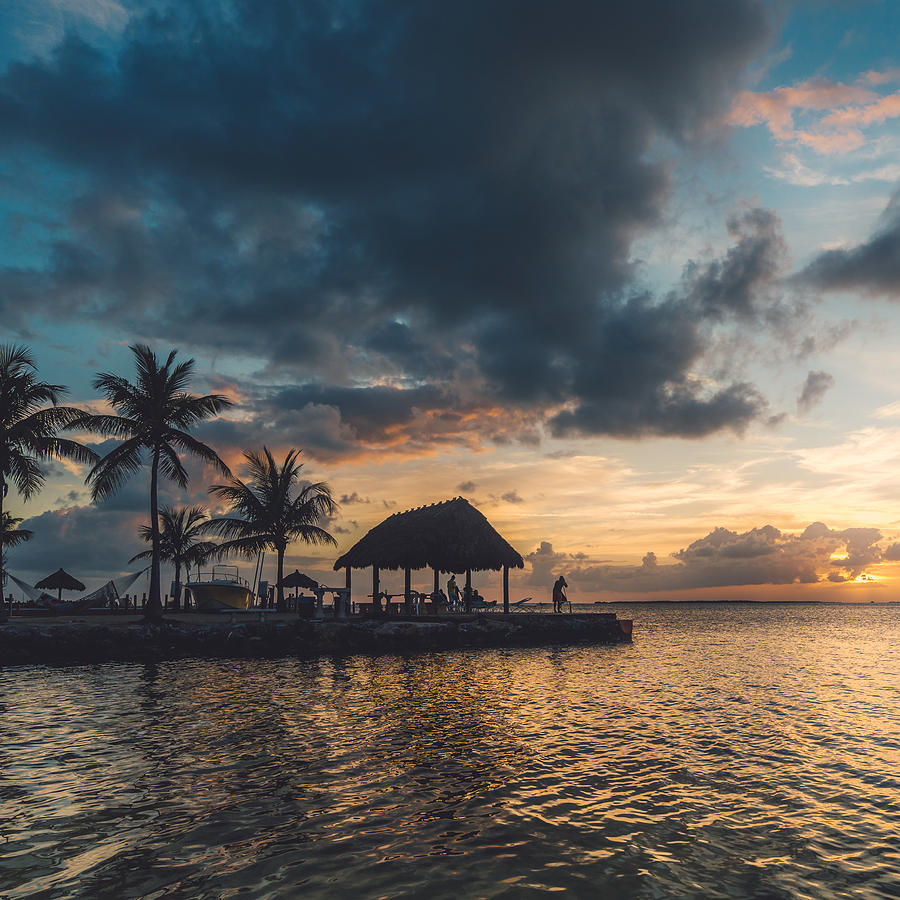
375,589
347,585
407,594
506,590
468,590
437,580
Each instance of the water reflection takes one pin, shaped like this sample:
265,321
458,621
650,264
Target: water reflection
708,758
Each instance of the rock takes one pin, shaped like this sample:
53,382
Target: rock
83,642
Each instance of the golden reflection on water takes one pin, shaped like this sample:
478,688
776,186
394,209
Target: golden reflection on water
731,751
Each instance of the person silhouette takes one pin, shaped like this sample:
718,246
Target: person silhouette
453,592
559,593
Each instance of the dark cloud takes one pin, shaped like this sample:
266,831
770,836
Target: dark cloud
760,556
741,282
511,497
350,499
872,266
440,196
815,387
92,544
466,487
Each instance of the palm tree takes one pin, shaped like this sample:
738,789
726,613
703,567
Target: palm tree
179,541
29,428
272,509
153,415
12,534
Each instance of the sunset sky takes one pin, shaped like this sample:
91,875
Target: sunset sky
623,275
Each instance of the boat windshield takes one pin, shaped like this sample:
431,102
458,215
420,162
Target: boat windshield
221,574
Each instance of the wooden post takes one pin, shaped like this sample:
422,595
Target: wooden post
437,581
347,585
375,589
506,589
407,597
468,590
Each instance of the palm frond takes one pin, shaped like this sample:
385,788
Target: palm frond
44,422
120,393
190,444
178,378
62,448
13,535
144,554
108,475
170,466
186,410
248,547
15,359
241,498
24,472
122,427
231,528
311,534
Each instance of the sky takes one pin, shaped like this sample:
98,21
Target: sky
623,275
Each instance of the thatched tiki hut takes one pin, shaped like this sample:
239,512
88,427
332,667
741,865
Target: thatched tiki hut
451,536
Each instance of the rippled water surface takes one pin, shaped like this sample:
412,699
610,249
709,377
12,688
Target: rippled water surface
731,751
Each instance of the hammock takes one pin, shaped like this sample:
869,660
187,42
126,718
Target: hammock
112,590
33,594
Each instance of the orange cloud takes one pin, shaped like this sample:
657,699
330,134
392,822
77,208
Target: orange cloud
776,108
849,108
832,143
875,113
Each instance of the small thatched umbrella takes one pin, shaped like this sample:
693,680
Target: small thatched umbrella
298,580
60,581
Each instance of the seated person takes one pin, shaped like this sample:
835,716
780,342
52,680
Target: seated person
440,601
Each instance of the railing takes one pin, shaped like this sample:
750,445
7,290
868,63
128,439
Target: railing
222,574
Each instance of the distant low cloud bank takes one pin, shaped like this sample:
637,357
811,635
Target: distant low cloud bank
726,558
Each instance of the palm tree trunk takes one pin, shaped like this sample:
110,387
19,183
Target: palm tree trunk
280,586
2,573
176,600
154,610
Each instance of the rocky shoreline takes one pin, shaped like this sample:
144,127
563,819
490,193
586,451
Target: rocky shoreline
74,642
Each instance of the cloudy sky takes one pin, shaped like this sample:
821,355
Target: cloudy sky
624,275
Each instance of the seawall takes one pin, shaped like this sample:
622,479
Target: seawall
128,638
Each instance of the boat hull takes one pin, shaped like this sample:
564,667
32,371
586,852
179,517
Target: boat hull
212,597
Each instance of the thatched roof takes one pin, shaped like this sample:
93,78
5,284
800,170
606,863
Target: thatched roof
451,536
298,580
60,580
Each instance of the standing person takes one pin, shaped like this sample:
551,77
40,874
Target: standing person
559,594
453,592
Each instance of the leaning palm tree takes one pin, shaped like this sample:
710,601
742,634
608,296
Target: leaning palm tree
180,541
154,414
29,428
272,510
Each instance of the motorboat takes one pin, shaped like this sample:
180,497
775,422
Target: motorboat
221,589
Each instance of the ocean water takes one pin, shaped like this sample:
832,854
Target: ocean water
732,750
